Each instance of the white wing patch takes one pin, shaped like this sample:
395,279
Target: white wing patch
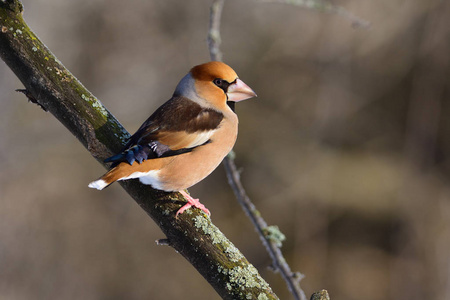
149,178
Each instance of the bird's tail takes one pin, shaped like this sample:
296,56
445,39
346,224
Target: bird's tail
148,168
120,172
105,180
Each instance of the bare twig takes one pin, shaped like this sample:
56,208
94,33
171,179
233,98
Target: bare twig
270,236
214,30
326,7
272,245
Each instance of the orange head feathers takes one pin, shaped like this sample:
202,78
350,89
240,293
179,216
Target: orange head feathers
216,83
186,138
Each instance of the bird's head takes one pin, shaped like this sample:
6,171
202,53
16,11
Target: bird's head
213,84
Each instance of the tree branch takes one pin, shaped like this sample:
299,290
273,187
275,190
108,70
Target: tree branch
53,87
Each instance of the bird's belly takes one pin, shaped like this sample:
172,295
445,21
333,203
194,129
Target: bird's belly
187,169
179,176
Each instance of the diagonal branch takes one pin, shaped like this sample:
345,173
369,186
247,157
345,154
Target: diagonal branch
270,236
53,87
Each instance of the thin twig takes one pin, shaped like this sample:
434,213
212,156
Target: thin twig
214,30
326,7
272,245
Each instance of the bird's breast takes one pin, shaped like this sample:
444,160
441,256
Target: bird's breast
187,169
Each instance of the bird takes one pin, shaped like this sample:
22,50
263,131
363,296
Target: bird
187,137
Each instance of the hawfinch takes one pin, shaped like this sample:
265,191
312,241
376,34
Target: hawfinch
186,138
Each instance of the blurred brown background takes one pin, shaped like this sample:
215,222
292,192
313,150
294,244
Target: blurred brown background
346,149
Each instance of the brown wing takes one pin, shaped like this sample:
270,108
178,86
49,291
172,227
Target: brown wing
178,126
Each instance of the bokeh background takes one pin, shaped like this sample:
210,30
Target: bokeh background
346,149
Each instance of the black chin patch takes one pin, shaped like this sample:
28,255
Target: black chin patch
231,104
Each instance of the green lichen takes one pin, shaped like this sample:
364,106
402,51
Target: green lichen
203,223
263,297
96,104
222,270
321,295
239,279
231,155
274,234
233,253
246,277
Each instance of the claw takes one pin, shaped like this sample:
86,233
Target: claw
191,202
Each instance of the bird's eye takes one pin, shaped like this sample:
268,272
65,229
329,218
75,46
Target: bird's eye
218,82
223,84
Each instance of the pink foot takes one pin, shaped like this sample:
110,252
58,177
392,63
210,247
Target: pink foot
191,202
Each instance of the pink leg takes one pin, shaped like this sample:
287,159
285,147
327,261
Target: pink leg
191,202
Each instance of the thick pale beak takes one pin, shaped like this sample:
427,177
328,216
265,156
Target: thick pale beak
239,91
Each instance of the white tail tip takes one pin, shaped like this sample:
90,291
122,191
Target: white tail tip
98,184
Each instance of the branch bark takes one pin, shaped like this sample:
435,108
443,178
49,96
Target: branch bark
53,87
